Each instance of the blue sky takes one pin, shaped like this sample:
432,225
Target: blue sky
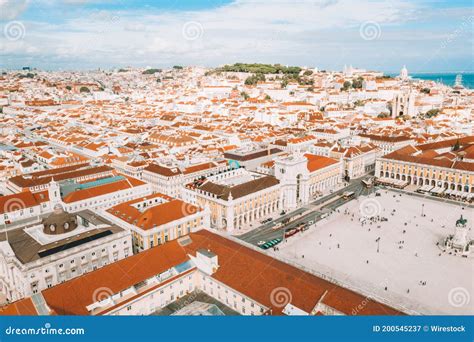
427,36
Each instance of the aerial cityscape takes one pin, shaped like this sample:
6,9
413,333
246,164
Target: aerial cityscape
232,188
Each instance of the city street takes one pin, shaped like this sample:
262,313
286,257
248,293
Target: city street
312,212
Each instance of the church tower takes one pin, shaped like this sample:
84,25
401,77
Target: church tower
404,73
54,193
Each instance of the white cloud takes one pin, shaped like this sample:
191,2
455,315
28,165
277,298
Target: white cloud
10,9
325,32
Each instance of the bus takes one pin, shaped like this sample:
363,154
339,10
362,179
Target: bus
290,232
348,195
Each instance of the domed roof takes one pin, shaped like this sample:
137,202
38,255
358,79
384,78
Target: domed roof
59,222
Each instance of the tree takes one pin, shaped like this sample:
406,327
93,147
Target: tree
268,98
254,79
426,90
244,95
308,73
357,83
260,68
431,113
346,85
84,90
151,71
68,87
456,146
177,67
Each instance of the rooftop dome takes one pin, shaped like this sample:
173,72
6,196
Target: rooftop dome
59,222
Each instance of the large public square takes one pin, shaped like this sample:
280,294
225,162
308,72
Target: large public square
401,260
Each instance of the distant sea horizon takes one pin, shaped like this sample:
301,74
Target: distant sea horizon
447,78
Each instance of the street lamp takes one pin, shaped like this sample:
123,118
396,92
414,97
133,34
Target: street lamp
378,244
422,207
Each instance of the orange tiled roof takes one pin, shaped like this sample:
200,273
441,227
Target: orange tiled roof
316,162
153,216
80,195
249,272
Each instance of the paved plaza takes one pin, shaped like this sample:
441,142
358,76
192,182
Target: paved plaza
397,260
